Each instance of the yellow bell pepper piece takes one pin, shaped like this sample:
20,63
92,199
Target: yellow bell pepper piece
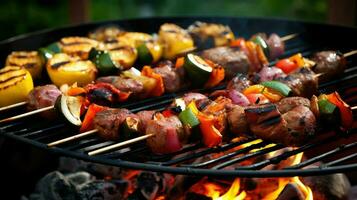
298,59
15,84
174,40
30,60
77,46
64,69
155,49
254,89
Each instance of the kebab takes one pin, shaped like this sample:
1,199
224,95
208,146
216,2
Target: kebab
236,117
267,73
67,60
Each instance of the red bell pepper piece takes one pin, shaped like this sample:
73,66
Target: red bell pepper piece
87,123
210,134
286,65
159,88
345,110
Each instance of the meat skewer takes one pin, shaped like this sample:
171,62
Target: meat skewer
231,85
289,80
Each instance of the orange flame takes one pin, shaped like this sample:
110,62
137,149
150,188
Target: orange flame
284,181
213,191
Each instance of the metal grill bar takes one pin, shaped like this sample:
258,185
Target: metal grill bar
187,160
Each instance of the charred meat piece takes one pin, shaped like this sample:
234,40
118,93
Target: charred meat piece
217,108
237,121
289,103
43,96
200,99
302,82
169,135
144,116
231,59
266,122
276,46
239,83
124,84
300,123
268,74
330,63
173,81
109,121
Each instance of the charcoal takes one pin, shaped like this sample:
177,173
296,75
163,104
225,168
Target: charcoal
55,186
333,186
101,189
291,192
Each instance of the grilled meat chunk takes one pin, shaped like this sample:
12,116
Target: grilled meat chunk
289,103
109,121
43,96
330,63
144,116
302,82
231,59
237,121
266,122
239,83
300,123
276,46
169,135
200,99
124,84
268,74
173,80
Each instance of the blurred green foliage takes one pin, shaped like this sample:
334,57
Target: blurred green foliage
21,16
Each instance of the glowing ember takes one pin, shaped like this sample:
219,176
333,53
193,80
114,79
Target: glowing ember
213,191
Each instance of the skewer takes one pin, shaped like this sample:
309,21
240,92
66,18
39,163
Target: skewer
120,144
13,106
26,114
74,137
354,107
350,53
289,37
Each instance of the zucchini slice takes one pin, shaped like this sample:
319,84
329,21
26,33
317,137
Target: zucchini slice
197,69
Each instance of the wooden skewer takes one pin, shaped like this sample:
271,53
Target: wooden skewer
13,105
289,37
118,145
350,53
74,137
27,114
354,107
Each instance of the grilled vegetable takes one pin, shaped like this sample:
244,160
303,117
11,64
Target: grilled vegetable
328,111
189,118
210,134
15,84
148,83
105,33
277,86
261,42
198,70
159,88
175,40
257,98
104,62
130,128
64,69
48,51
77,46
208,35
149,50
88,119
216,76
286,65
69,108
30,60
345,110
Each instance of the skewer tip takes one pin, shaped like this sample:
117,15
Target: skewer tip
289,37
350,53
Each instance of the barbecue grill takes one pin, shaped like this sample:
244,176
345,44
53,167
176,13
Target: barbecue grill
340,157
